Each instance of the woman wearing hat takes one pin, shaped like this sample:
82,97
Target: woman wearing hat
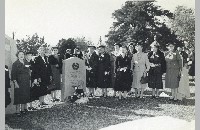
56,66
20,75
157,69
173,70
104,67
113,57
141,65
123,73
91,73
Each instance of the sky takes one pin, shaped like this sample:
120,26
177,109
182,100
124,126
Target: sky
57,19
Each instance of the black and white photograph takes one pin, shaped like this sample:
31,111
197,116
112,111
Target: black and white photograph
100,65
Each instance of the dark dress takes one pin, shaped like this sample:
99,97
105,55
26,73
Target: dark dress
104,81
34,88
91,75
155,73
21,73
192,66
123,79
42,69
173,68
7,86
56,71
112,60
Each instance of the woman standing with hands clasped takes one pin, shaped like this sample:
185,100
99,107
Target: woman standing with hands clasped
173,70
141,65
157,69
20,75
123,72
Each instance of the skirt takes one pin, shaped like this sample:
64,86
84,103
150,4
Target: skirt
184,89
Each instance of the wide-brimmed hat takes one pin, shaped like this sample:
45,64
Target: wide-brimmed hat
102,46
91,46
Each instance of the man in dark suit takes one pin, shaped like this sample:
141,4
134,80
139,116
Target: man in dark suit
104,68
92,70
42,74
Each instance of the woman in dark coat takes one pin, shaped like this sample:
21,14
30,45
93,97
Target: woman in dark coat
20,75
157,69
173,70
34,88
192,63
91,73
56,66
104,66
7,86
113,57
42,74
123,73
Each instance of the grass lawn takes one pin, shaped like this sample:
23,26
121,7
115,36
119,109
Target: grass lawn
101,112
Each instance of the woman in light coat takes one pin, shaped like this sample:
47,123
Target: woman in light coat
141,65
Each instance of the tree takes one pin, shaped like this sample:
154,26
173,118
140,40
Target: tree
64,44
140,21
183,25
31,43
82,43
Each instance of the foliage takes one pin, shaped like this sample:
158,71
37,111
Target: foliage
140,21
64,44
31,43
183,25
82,43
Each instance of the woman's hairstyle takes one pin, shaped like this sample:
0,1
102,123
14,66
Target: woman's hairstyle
19,52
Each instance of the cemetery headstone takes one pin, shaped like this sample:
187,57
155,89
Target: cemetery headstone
73,75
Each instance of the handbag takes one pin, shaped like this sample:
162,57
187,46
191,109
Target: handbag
144,79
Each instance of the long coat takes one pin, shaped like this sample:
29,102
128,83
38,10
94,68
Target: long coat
56,71
21,73
140,62
155,73
7,86
192,66
42,70
104,80
113,57
174,66
123,78
91,75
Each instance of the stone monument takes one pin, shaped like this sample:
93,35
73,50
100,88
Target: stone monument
73,75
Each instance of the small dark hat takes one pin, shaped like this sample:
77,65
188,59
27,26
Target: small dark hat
168,44
55,47
29,52
118,44
101,46
92,47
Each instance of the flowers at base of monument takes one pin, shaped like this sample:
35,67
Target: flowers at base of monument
78,94
82,100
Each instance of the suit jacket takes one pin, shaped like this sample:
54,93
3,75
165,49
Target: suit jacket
140,63
104,62
173,62
54,61
161,59
42,69
93,62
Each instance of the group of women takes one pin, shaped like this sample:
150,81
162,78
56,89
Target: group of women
129,68
124,69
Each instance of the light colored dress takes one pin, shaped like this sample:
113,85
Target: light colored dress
184,89
141,64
